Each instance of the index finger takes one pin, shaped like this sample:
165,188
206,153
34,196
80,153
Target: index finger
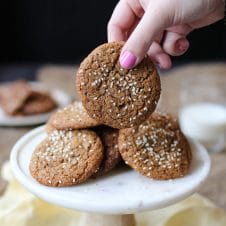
124,16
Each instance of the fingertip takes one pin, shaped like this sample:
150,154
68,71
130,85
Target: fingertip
159,57
175,44
132,53
164,61
182,45
127,59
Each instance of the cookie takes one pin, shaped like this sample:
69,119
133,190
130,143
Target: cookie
38,103
66,158
156,148
49,128
73,116
13,95
115,96
112,157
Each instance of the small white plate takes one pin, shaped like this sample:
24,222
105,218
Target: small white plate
62,99
120,192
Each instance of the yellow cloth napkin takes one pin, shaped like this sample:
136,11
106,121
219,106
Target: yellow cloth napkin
21,208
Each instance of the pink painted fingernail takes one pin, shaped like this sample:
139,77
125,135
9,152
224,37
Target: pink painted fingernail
127,60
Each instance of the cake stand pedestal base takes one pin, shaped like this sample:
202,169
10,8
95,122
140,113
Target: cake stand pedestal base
88,219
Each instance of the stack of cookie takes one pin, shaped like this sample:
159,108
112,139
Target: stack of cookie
115,119
77,147
18,98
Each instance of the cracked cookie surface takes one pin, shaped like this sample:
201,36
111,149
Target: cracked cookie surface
72,116
115,96
157,148
66,158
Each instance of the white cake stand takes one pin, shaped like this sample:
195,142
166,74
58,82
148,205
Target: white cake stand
110,200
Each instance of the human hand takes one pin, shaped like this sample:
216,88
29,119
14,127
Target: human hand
159,27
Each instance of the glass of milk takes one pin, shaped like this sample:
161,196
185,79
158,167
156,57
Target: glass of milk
202,114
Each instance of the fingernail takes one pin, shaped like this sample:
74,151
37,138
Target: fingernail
127,60
182,45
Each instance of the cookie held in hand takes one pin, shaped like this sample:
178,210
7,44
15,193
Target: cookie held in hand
115,96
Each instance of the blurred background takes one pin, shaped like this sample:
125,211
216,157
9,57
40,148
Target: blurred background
34,33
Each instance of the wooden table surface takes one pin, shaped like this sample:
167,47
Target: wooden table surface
64,76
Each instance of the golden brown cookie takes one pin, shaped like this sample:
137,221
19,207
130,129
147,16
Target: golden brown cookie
66,158
156,148
49,128
73,116
38,103
112,157
13,96
115,96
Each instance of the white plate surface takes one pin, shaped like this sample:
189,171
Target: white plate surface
122,191
62,99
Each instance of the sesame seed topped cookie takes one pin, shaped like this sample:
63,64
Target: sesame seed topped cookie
73,116
115,96
66,158
156,148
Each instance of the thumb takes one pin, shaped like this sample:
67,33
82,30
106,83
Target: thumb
154,21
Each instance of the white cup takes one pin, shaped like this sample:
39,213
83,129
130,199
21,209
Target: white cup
205,122
202,114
